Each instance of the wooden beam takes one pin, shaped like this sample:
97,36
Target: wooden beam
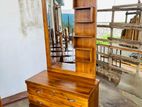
127,49
122,48
14,98
118,57
120,41
46,33
134,42
130,5
126,26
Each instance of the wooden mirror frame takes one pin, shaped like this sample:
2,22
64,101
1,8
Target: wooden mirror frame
81,69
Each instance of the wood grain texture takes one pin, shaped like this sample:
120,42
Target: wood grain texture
0,102
84,3
84,15
57,90
85,36
46,33
65,85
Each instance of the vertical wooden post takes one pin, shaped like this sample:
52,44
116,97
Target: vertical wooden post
140,47
110,49
46,33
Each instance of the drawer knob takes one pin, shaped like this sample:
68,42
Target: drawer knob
39,91
71,100
40,103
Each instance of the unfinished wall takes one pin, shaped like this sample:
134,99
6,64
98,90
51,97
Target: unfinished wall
21,54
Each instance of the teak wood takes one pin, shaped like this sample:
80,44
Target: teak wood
69,85
59,90
84,40
0,102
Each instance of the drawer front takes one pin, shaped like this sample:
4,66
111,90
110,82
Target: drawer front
57,96
41,102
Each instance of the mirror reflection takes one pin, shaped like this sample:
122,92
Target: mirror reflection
61,31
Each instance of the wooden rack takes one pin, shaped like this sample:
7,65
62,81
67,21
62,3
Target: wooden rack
105,53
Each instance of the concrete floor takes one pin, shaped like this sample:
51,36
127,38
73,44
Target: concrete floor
110,96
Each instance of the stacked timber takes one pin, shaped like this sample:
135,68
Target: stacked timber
131,34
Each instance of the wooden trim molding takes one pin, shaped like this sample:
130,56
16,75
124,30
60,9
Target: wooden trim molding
14,98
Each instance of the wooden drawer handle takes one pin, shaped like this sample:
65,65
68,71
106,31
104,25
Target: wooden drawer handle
71,100
38,91
40,103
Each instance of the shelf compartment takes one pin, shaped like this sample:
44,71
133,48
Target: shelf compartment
86,42
85,29
84,36
84,55
84,15
83,3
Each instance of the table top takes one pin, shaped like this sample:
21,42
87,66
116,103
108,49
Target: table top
73,84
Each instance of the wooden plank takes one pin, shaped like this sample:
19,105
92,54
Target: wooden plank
118,57
129,5
125,41
127,49
122,48
86,29
129,43
126,9
126,26
121,69
46,33
83,3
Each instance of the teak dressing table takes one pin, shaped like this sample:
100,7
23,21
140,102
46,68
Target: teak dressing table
65,85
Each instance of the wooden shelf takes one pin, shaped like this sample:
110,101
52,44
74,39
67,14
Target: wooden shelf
83,36
85,42
84,55
83,3
83,7
84,15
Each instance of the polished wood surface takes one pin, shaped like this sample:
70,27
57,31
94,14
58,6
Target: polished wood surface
0,102
46,33
84,40
85,36
65,85
60,90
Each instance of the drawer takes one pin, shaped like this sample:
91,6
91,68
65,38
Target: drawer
57,96
41,102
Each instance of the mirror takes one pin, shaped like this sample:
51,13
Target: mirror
60,15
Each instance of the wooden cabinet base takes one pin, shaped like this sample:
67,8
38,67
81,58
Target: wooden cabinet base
50,89
0,102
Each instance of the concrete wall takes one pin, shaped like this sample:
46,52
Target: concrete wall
21,56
